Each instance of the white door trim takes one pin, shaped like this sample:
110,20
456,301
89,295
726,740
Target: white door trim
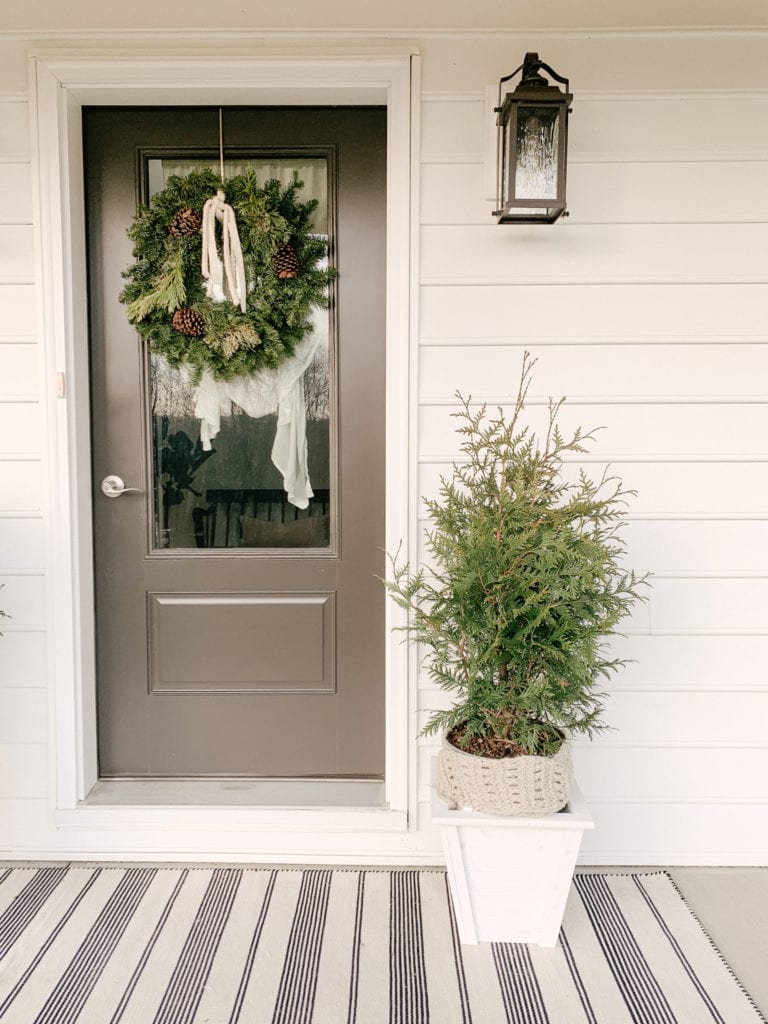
60,84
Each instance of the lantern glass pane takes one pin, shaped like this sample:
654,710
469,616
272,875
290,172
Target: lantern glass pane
536,170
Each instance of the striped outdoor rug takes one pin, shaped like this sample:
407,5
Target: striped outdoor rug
102,945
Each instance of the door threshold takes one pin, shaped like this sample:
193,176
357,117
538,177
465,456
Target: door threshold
308,793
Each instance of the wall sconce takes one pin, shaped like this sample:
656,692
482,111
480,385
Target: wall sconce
532,146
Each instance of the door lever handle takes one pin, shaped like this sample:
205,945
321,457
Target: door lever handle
114,486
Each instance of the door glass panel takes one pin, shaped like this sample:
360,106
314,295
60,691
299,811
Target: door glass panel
233,495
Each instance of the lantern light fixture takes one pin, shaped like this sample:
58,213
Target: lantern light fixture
532,146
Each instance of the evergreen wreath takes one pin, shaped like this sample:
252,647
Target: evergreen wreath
165,295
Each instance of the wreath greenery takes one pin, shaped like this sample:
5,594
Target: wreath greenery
166,278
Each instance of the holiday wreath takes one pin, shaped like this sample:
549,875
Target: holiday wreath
172,306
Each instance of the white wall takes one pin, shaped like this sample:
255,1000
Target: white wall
647,308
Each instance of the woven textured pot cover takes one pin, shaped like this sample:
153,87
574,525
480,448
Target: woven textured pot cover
524,785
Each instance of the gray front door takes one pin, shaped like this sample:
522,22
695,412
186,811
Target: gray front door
236,634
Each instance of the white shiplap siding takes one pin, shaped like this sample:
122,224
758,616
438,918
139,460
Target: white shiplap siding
647,309
23,709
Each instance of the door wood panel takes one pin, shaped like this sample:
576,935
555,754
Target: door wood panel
239,661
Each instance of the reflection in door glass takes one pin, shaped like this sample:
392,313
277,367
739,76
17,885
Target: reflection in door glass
229,492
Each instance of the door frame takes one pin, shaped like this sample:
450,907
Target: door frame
60,84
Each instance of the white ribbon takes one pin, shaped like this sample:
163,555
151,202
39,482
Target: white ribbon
213,268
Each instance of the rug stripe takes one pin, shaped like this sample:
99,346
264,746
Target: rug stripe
458,960
138,970
565,945
687,967
68,998
245,977
519,985
185,988
408,1000
354,980
641,991
25,905
48,942
298,983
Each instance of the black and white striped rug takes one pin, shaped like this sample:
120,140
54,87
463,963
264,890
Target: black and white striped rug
104,945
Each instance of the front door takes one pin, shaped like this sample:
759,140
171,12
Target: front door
238,633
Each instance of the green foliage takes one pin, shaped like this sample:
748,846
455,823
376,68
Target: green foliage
527,584
167,275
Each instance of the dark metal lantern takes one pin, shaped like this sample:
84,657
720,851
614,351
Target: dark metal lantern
532,146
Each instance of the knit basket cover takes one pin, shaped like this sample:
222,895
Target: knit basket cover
524,785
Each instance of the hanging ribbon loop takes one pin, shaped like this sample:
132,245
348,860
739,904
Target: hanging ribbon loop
229,266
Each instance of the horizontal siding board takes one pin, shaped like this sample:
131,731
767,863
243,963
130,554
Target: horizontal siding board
672,717
14,128
604,193
669,774
23,770
659,717
15,193
672,128
20,428
728,662
17,310
676,833
16,251
632,370
21,485
708,605
663,488
18,370
597,252
23,716
22,656
21,543
683,547
455,129
727,429
23,598
595,311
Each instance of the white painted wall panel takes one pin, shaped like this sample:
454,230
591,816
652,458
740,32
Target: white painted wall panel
23,598
21,543
16,258
14,128
725,429
18,369
23,770
594,311
15,193
23,716
663,253
20,428
718,192
704,774
453,131
663,488
611,371
22,655
17,310
21,485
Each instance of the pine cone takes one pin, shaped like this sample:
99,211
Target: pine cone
185,221
188,321
286,262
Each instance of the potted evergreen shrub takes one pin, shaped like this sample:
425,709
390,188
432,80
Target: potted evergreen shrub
525,586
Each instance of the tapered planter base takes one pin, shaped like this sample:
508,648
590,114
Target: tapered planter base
510,876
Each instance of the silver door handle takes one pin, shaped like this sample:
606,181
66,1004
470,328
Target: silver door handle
114,486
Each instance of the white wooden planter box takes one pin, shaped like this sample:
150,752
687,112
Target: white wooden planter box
510,877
